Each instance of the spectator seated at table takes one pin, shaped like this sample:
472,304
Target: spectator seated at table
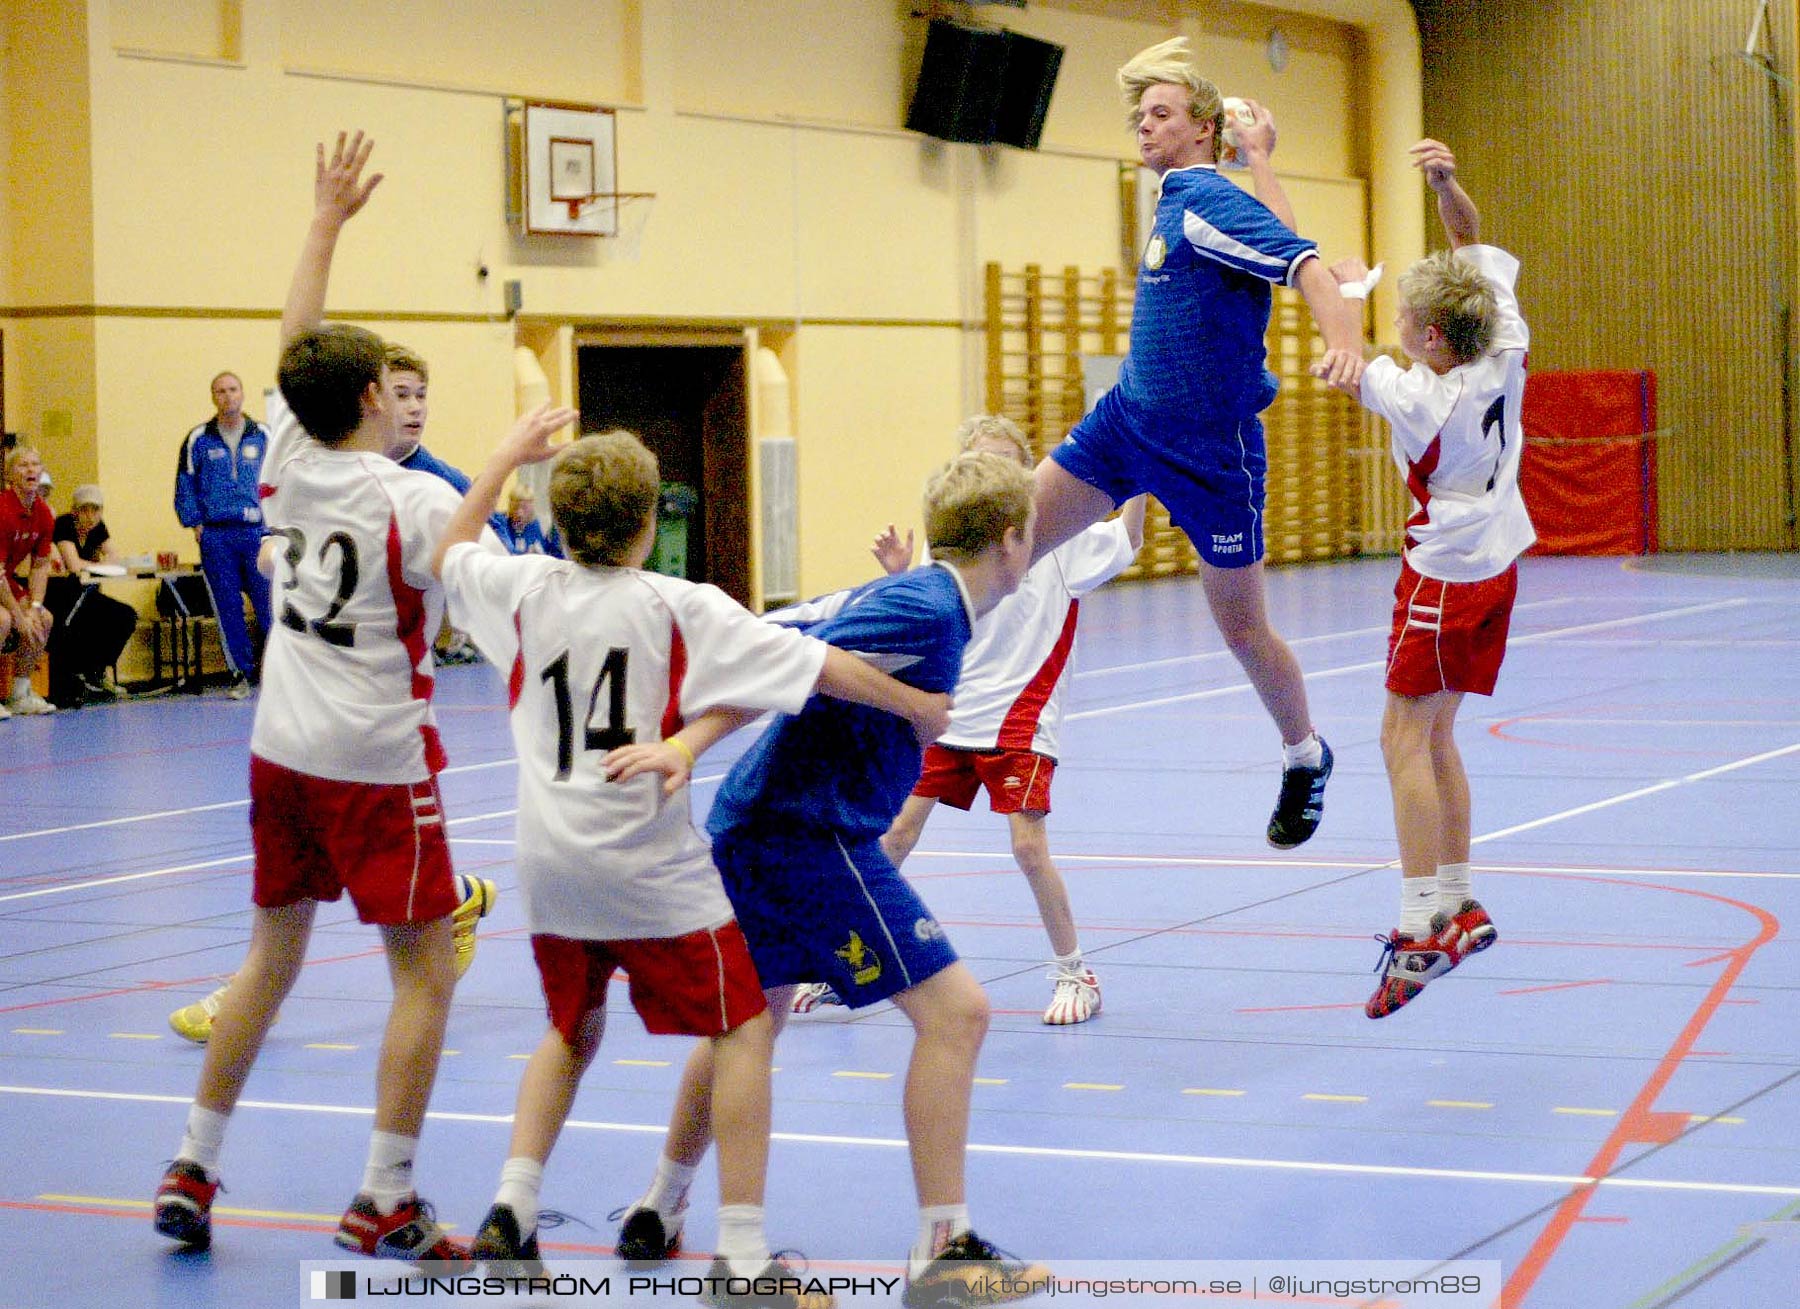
91,629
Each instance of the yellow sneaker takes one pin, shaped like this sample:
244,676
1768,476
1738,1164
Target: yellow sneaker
479,895
194,1022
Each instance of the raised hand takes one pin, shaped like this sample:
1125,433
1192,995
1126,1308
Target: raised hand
338,185
530,440
1257,138
894,554
1436,161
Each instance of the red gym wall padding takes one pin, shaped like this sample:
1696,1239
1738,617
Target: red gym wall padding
1589,495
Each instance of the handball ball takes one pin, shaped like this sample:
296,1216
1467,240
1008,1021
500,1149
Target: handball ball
1237,114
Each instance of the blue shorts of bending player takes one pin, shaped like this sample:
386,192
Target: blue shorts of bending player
1207,473
816,907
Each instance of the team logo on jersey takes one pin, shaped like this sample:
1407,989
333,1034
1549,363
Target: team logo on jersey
928,929
1155,252
865,966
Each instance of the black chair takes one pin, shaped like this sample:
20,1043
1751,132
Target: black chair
184,608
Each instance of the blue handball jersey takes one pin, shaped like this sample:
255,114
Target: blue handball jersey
846,766
1203,299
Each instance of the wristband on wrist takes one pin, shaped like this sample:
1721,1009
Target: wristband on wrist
681,748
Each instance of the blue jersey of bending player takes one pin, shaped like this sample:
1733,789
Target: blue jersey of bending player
847,767
1203,298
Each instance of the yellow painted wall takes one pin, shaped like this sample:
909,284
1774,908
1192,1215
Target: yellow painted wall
787,195
872,426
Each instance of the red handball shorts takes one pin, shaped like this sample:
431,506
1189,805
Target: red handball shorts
1017,781
701,984
1449,636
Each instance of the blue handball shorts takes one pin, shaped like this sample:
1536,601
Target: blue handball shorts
816,907
1208,475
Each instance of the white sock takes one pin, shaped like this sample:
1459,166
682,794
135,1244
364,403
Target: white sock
742,1244
939,1224
388,1176
1453,886
669,1191
1071,962
1308,752
21,687
521,1178
204,1138
1418,902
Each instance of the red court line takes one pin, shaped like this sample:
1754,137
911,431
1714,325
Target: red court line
61,765
1639,1123
1556,986
1295,1008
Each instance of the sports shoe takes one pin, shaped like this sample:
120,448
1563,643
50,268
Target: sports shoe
240,688
971,1271
184,1205
498,1241
479,895
1469,931
5,713
194,1022
1077,997
410,1232
30,705
643,1239
777,1286
1302,802
1406,964
811,995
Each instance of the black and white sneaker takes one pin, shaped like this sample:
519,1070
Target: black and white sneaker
970,1271
643,1239
498,1242
1302,802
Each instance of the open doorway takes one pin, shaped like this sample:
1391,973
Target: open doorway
689,403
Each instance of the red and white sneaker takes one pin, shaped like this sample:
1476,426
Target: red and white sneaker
1407,963
184,1204
410,1232
1469,931
1076,998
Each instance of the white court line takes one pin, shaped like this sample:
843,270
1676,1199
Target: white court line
1341,670
65,887
1114,669
1349,865
1642,791
1026,1151
203,808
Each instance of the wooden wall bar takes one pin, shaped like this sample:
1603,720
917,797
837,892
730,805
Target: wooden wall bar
1643,170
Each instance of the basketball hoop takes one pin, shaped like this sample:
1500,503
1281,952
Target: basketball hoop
612,211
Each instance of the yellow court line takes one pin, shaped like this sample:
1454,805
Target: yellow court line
518,1056
326,1045
642,1063
449,1052
1588,1113
1460,1104
873,1077
134,1036
1336,1099
113,1202
990,1081
1711,1118
1207,1090
1092,1086
38,1031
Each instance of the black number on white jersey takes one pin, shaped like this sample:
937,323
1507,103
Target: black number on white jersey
325,627
614,734
1495,420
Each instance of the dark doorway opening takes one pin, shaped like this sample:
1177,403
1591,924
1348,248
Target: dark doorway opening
690,405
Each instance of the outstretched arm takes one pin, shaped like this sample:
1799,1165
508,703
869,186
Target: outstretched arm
339,192
675,756
527,443
1462,220
1340,323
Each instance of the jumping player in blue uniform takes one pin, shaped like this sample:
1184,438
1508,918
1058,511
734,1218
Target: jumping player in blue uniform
1182,422
797,830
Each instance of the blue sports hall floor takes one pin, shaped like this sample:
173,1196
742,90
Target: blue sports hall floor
1607,1104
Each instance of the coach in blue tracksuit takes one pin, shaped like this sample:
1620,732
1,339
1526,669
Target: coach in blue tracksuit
216,494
